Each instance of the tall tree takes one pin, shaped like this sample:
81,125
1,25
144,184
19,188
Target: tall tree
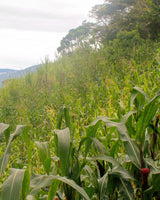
106,13
110,16
152,19
75,38
127,15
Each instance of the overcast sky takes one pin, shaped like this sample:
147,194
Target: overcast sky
30,30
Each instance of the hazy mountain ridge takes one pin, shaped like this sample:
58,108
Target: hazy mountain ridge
7,70
11,73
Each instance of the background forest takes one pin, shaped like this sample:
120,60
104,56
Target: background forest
110,68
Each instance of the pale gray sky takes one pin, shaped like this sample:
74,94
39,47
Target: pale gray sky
32,29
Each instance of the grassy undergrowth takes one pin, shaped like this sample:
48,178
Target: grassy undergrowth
66,149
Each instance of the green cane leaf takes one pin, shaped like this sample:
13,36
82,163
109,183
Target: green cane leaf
120,172
44,155
25,185
63,149
105,158
145,119
41,181
12,186
126,189
53,189
6,155
103,182
130,145
3,128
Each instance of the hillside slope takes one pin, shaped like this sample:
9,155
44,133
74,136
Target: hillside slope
9,73
89,82
92,117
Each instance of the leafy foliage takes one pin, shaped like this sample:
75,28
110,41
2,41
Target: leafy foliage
92,116
12,186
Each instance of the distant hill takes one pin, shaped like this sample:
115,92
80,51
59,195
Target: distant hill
11,73
6,70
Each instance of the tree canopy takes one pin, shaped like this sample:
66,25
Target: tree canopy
112,17
75,38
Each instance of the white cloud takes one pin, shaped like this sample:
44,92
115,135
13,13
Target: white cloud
32,29
24,48
30,19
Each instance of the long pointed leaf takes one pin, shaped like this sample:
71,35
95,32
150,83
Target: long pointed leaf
44,155
43,181
6,155
105,158
12,186
120,172
151,164
99,146
4,159
67,118
25,185
96,142
18,131
53,189
75,186
125,117
148,114
3,127
130,145
40,181
92,176
137,100
103,185
126,190
90,132
139,90
59,119
63,147
155,180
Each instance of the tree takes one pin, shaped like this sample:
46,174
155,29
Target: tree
106,13
110,16
127,15
76,38
152,19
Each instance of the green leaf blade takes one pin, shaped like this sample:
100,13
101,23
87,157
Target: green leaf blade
3,128
130,145
12,186
145,119
40,181
53,189
126,190
63,148
44,155
6,155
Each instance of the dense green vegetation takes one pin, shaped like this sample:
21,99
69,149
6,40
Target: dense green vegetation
92,117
